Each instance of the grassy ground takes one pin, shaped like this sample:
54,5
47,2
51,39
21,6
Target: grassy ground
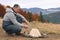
53,31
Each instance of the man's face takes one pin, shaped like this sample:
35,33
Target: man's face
17,9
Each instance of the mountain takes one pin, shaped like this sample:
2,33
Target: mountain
33,10
51,14
45,11
53,17
53,10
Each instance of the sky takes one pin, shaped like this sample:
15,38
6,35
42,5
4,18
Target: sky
44,4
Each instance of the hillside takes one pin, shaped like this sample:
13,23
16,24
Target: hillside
53,17
53,31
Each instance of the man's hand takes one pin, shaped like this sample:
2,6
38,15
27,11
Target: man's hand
26,26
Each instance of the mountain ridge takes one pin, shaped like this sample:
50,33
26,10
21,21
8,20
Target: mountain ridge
44,11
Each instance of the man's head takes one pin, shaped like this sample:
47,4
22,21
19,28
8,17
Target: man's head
16,8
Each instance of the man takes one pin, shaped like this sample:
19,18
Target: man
12,21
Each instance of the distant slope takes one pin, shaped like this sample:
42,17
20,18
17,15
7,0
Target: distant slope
53,17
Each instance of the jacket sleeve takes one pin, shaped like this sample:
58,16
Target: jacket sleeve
24,19
12,18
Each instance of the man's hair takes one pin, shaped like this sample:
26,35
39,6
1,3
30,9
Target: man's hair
16,5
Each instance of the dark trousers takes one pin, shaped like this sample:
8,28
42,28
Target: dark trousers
12,29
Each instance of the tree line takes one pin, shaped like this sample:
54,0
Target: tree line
28,15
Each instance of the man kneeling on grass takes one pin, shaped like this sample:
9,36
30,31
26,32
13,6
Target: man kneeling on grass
12,21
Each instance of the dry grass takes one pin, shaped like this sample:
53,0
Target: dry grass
43,27
47,27
0,22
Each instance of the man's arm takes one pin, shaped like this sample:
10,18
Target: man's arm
13,19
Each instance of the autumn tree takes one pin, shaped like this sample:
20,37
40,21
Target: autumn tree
35,17
2,10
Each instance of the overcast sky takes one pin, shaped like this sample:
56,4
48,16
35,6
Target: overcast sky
33,3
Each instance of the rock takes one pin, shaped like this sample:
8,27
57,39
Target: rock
35,33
